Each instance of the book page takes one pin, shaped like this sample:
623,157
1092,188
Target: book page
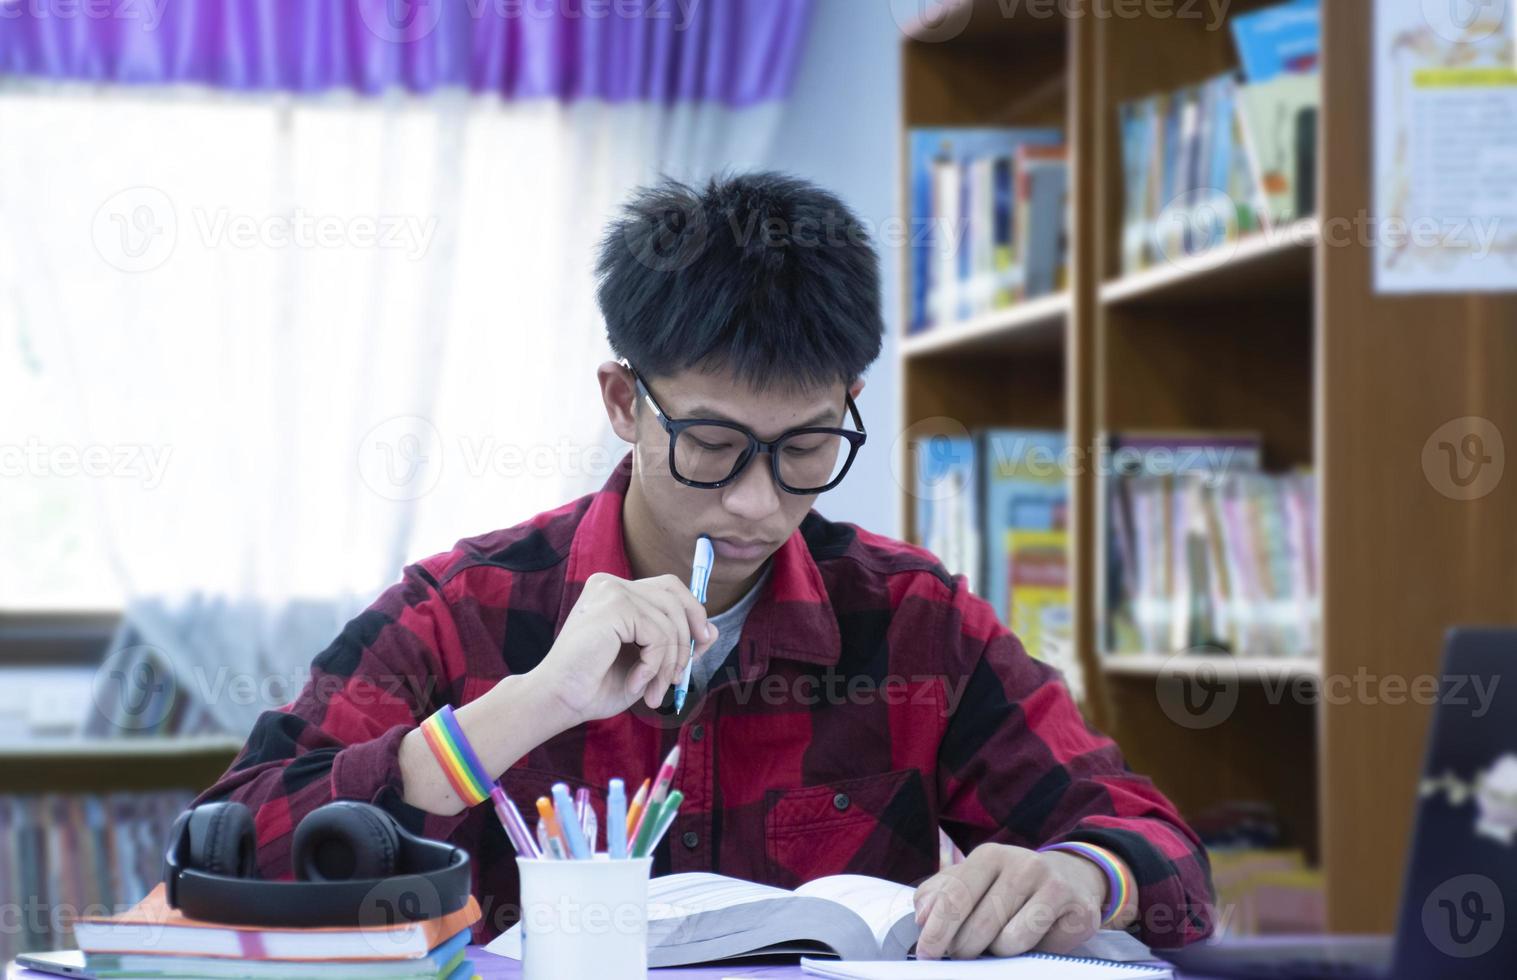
878,902
680,895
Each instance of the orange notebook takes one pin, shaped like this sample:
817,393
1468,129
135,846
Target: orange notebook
152,926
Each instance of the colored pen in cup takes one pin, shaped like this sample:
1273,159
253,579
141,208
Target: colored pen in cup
568,824
616,819
635,808
585,814
665,820
660,788
545,818
700,575
515,826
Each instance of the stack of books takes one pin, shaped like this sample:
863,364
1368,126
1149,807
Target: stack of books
1231,156
1207,553
994,507
989,224
153,939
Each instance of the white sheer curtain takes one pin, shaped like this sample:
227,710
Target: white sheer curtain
288,345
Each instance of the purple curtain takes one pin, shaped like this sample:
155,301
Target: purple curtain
736,52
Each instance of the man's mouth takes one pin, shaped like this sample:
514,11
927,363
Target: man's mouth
741,549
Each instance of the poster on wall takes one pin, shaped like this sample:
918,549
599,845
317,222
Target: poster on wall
1445,146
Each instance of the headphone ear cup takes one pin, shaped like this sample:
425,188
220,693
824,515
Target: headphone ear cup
345,840
222,840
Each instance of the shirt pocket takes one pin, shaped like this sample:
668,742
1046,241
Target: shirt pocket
872,825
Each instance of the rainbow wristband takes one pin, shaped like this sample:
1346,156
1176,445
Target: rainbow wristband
1118,880
459,763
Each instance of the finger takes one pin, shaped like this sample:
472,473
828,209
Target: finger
1030,923
693,612
1074,927
925,895
1001,901
655,635
955,900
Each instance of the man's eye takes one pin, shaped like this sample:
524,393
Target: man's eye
713,447
793,450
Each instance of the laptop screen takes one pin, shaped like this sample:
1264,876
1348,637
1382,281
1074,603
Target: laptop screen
1459,906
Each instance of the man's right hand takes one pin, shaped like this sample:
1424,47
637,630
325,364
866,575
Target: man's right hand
622,641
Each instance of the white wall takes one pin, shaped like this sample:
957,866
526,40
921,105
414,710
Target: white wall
841,131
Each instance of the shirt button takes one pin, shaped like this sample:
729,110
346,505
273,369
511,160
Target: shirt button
697,732
691,839
841,801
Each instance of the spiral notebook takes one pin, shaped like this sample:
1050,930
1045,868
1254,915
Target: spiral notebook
1042,966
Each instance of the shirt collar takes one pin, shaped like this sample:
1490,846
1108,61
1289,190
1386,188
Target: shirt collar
793,618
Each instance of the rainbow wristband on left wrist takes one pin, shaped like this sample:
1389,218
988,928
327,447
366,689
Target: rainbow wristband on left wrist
459,762
1119,885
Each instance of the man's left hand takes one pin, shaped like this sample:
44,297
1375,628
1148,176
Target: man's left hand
1008,900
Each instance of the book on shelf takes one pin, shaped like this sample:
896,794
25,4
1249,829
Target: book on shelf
1210,163
699,917
964,260
81,852
1042,234
1205,552
1285,38
994,507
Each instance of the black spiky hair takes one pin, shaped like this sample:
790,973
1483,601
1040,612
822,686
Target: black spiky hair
761,274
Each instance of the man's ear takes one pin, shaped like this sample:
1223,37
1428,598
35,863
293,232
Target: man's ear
619,393
855,389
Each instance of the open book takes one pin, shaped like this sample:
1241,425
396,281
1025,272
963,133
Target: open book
700,918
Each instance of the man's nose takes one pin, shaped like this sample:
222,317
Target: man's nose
754,495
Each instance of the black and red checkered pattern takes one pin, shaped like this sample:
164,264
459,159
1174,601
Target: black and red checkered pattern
871,700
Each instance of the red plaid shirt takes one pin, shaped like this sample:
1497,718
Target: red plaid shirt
871,699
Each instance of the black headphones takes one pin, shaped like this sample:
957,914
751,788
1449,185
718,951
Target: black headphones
354,865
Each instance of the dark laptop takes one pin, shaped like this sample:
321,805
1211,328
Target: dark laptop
1459,904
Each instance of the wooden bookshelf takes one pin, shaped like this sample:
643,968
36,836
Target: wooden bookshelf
1279,334
114,765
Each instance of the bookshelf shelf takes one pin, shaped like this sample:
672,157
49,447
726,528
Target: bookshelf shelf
104,749
1261,263
1243,668
1032,324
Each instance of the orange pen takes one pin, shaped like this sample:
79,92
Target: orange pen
556,845
635,808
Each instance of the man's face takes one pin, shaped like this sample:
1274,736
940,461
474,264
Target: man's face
749,518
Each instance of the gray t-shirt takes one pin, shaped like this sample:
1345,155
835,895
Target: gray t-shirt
729,627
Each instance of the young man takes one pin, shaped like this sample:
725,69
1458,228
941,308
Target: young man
849,697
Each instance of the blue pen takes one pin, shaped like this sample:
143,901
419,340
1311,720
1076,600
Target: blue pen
700,574
568,823
616,819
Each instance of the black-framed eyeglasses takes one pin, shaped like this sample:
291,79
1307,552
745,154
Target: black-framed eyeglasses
711,453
